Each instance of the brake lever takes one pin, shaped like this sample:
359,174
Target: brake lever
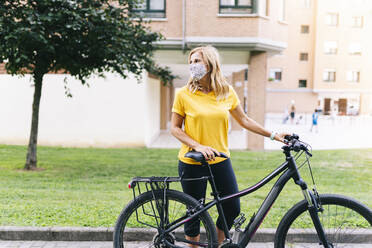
304,148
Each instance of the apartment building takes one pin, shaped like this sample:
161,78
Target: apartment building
326,64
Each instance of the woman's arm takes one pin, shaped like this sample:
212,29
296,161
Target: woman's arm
252,125
176,131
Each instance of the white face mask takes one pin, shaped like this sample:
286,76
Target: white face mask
198,71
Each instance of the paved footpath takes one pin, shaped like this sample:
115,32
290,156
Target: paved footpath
64,244
344,132
96,244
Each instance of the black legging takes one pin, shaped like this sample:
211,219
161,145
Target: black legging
225,180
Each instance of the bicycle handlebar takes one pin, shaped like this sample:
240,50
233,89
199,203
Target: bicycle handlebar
292,144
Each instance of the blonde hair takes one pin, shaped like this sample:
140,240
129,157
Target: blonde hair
219,83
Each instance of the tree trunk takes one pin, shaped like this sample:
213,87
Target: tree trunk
31,160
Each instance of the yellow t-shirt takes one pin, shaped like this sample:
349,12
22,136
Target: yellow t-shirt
206,120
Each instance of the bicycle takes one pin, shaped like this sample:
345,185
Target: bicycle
334,219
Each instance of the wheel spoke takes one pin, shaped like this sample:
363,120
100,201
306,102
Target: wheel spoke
134,226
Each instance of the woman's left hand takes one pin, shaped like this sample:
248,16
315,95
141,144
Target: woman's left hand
280,136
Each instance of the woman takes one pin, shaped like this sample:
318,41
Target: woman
203,106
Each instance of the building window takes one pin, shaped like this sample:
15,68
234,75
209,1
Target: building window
330,47
357,21
304,29
329,75
304,56
263,8
238,6
275,75
353,76
282,13
306,4
150,8
302,83
332,19
355,48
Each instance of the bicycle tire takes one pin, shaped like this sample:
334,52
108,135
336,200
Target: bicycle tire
297,230
123,233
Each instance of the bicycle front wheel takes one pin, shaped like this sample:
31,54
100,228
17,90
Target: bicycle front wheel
345,221
144,221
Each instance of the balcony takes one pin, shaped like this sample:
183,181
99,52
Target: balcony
227,24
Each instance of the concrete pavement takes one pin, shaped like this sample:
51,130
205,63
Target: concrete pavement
48,237
64,244
96,244
61,244
343,132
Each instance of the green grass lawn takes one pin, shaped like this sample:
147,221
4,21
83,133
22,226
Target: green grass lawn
88,187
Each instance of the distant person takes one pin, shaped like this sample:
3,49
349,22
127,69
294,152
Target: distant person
314,123
293,111
333,115
285,116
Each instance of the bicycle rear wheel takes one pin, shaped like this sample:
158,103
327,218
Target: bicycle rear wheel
345,221
144,219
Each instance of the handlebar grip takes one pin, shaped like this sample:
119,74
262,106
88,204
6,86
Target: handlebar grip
308,153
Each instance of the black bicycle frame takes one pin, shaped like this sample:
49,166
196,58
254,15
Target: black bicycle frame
290,171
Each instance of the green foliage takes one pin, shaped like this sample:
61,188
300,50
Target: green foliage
79,37
88,187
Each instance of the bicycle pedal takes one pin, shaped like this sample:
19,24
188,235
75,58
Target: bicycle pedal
238,222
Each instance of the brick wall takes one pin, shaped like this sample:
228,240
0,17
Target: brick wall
2,68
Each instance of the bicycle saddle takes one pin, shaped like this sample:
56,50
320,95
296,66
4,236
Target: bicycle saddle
198,156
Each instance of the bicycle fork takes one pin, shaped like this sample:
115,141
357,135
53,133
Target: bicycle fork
313,208
312,203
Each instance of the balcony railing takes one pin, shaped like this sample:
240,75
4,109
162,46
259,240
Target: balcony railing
151,8
238,7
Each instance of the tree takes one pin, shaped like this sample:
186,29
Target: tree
78,37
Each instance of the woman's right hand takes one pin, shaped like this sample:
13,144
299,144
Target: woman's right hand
208,152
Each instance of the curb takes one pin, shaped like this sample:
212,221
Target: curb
140,234
56,233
